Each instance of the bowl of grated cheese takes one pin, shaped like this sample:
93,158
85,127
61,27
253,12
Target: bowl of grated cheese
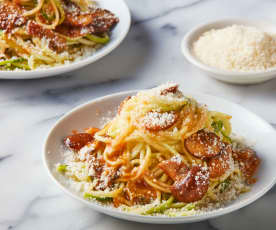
233,50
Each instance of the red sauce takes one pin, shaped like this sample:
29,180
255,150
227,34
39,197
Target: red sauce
56,42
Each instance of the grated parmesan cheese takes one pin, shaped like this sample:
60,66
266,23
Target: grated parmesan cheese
237,48
156,119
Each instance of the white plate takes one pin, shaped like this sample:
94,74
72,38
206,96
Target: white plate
244,122
120,9
224,75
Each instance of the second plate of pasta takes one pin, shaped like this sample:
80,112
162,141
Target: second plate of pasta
50,37
164,157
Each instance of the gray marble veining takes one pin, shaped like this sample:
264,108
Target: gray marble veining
149,56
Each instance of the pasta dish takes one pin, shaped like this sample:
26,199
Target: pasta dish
45,33
162,154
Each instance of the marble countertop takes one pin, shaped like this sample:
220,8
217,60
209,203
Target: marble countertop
149,56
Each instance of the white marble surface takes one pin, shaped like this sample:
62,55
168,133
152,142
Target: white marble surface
149,55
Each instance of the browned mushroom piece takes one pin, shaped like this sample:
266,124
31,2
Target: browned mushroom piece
219,164
172,89
56,41
190,184
140,192
10,16
100,19
157,121
78,23
203,144
77,141
174,168
249,163
193,186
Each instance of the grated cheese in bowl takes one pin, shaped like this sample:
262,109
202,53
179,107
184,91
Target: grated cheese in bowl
237,48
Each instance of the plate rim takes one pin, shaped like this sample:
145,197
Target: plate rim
65,68
153,219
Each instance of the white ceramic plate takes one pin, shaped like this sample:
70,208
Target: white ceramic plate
253,128
120,9
223,75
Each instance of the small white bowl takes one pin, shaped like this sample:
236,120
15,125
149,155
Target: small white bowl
120,9
224,75
245,123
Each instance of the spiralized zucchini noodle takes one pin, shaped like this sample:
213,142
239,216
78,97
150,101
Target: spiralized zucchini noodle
163,153
46,33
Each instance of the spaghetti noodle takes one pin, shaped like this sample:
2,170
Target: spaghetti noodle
163,153
46,33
